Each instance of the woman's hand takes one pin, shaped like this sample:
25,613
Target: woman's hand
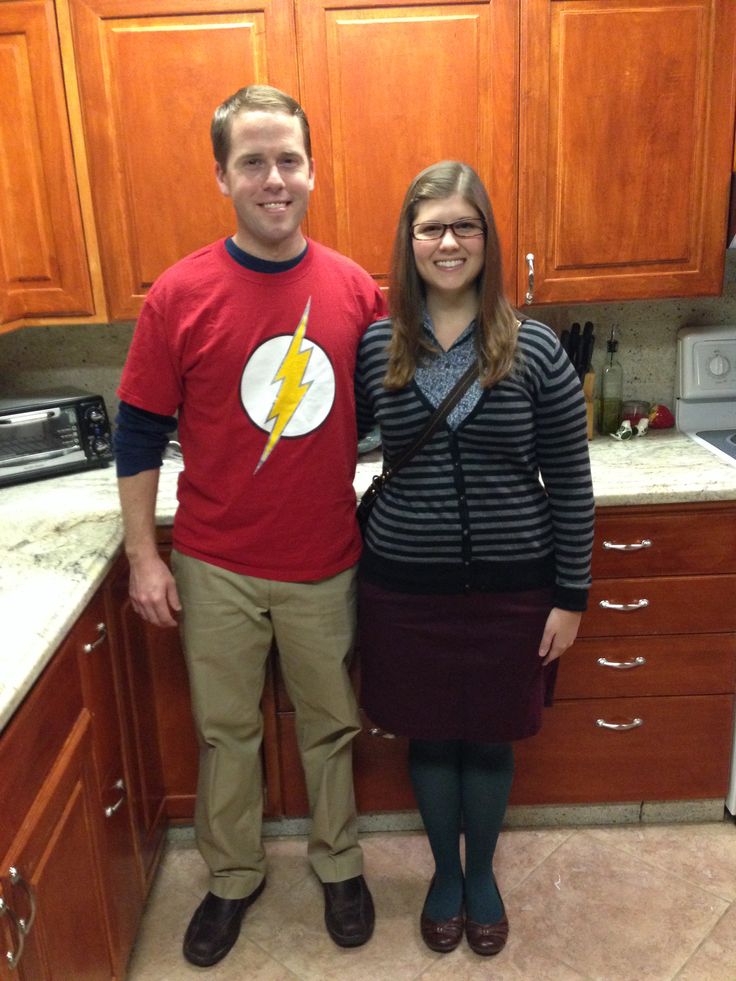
560,632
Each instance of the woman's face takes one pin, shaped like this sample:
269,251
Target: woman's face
449,265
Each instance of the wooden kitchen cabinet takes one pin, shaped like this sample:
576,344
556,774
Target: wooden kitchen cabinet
602,130
136,651
61,866
625,147
44,261
118,847
390,88
644,706
150,76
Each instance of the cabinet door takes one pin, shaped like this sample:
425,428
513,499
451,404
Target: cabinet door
134,654
626,127
56,857
391,88
90,644
43,260
151,75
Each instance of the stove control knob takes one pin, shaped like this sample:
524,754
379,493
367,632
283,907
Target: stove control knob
718,366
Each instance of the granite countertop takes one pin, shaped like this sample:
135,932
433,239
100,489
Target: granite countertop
59,537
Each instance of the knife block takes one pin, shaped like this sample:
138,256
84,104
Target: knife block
589,393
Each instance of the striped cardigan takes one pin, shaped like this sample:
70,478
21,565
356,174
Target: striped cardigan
469,512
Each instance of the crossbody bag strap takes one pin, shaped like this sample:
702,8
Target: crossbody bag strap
445,407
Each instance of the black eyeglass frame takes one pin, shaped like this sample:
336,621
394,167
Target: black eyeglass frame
451,225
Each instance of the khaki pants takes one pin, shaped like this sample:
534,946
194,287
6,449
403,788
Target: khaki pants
227,626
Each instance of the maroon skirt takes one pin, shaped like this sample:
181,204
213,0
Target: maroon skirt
454,667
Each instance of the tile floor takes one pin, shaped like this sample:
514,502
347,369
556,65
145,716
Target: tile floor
624,903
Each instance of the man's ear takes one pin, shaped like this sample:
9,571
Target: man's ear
221,179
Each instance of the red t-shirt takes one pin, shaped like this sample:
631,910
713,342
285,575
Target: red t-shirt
259,367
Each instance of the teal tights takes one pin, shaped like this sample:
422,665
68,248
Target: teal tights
462,785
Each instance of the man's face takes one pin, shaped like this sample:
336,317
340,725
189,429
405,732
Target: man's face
269,178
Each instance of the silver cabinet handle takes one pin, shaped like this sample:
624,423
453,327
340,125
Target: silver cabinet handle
12,957
630,547
619,726
102,632
530,277
624,607
380,733
17,880
113,808
637,662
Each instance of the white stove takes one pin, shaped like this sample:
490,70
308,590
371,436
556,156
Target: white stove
705,388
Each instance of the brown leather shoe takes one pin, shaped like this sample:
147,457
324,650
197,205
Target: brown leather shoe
349,913
441,936
487,938
215,927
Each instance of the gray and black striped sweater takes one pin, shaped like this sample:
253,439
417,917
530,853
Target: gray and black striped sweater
469,511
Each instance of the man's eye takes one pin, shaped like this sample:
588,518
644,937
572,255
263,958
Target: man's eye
290,162
252,163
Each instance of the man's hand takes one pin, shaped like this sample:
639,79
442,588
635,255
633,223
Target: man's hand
153,591
560,632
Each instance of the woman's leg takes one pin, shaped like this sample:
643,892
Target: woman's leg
434,766
487,771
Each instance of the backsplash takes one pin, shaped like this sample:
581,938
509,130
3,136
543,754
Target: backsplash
91,357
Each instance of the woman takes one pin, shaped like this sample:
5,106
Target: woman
474,573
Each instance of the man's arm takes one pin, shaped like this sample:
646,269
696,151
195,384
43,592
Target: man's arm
152,587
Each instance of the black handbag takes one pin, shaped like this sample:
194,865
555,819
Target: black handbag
448,403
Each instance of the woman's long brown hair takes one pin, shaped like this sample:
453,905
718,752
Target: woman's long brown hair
497,322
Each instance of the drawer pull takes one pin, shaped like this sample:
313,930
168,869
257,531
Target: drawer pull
113,808
380,733
624,607
637,662
102,631
17,880
620,726
12,957
631,547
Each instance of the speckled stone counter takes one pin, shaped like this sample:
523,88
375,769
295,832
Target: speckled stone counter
59,537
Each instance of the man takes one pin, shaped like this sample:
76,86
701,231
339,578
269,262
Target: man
251,342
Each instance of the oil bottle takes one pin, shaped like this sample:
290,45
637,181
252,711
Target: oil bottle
612,387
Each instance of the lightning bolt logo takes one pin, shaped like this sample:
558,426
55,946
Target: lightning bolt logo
290,374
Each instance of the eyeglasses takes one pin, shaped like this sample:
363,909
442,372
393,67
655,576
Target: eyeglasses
428,231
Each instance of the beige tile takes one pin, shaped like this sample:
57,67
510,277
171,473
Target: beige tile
516,962
704,854
607,915
519,853
715,959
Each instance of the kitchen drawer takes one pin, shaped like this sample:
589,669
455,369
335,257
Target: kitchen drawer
688,664
380,771
666,605
680,751
692,540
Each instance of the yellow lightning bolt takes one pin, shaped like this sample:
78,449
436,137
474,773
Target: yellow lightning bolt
290,373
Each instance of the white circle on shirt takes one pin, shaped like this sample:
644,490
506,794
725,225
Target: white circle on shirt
297,391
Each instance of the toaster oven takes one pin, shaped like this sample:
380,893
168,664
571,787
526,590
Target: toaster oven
52,433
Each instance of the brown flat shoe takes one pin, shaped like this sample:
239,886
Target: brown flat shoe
487,938
441,936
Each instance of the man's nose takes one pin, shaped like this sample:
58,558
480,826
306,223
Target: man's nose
273,177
